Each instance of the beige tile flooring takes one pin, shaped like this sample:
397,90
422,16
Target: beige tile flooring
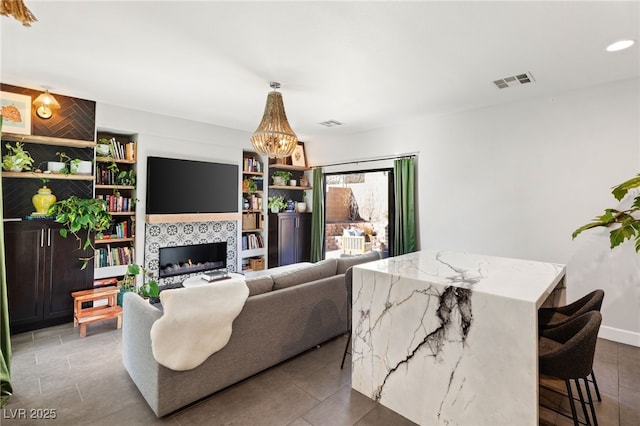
84,381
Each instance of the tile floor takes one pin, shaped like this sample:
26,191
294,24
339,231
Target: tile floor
84,381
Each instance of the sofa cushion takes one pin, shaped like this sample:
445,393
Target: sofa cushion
345,263
259,285
316,271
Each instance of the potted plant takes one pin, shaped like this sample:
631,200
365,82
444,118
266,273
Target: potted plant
276,203
17,158
122,177
128,283
280,177
626,226
82,214
68,165
249,186
103,147
301,207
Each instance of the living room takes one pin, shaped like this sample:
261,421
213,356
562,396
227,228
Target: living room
506,172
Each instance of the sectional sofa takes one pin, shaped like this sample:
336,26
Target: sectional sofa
289,310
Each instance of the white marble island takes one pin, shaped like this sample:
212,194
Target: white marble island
447,338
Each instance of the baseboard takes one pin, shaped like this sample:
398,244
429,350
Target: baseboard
620,336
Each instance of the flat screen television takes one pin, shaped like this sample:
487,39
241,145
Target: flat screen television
184,186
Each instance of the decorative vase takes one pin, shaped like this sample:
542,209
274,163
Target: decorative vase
43,200
304,181
302,207
292,182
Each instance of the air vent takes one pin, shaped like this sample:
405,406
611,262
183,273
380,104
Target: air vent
516,80
331,123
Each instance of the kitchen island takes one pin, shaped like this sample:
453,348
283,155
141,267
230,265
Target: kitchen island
447,338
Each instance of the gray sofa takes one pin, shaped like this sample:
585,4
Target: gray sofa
289,310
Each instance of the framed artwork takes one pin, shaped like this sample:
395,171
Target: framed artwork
16,113
299,157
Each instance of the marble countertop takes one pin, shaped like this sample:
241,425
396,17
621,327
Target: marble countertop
517,279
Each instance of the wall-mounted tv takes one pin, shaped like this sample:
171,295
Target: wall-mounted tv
183,186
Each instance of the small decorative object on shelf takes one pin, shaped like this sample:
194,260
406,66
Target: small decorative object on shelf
17,159
290,206
276,203
304,181
280,177
42,201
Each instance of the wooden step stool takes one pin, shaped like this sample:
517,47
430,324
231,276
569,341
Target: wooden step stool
98,313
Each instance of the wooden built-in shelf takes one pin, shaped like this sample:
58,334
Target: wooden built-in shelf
289,167
47,140
192,217
114,240
244,172
122,213
254,192
251,211
252,230
115,187
292,188
114,160
33,175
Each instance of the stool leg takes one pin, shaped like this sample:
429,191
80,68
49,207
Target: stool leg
584,406
83,330
593,411
595,385
119,321
572,402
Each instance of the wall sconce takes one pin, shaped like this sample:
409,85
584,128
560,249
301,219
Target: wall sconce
45,103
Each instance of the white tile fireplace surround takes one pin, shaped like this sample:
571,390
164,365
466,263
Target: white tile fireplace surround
160,235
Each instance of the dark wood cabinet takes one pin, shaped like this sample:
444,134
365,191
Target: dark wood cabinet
43,268
289,238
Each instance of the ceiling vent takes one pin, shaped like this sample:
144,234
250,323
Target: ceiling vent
516,80
331,123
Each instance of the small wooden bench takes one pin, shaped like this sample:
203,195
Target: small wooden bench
86,316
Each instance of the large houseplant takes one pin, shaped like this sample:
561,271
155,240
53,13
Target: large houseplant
625,224
82,217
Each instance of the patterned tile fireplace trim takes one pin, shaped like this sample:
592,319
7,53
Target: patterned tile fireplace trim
159,235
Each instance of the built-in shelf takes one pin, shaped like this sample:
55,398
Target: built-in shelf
251,211
47,140
115,187
114,160
122,213
244,172
289,187
114,240
109,271
252,230
252,252
33,175
288,167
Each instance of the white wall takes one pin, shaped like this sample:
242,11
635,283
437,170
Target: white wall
164,136
515,180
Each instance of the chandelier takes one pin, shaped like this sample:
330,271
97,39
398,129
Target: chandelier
274,136
18,10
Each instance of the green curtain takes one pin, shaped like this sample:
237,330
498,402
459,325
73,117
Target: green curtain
405,219
5,336
317,217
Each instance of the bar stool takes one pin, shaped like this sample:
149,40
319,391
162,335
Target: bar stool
566,352
553,317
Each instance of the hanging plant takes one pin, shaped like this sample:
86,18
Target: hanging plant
82,217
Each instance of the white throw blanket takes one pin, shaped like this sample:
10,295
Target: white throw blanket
196,323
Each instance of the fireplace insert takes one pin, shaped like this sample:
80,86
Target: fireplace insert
190,259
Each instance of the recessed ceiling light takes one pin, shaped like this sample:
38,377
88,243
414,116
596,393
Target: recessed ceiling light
620,45
331,123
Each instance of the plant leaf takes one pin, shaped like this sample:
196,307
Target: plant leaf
617,236
621,190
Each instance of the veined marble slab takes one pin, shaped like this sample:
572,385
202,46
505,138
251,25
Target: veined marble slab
448,338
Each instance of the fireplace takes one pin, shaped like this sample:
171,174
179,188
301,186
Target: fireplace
182,260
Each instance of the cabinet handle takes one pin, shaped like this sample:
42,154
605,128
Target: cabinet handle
49,237
42,238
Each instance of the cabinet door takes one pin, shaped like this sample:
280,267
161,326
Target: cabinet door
64,275
24,250
287,233
303,237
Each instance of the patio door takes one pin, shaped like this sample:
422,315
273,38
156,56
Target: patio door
358,212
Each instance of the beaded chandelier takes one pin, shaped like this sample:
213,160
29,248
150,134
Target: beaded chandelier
274,136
